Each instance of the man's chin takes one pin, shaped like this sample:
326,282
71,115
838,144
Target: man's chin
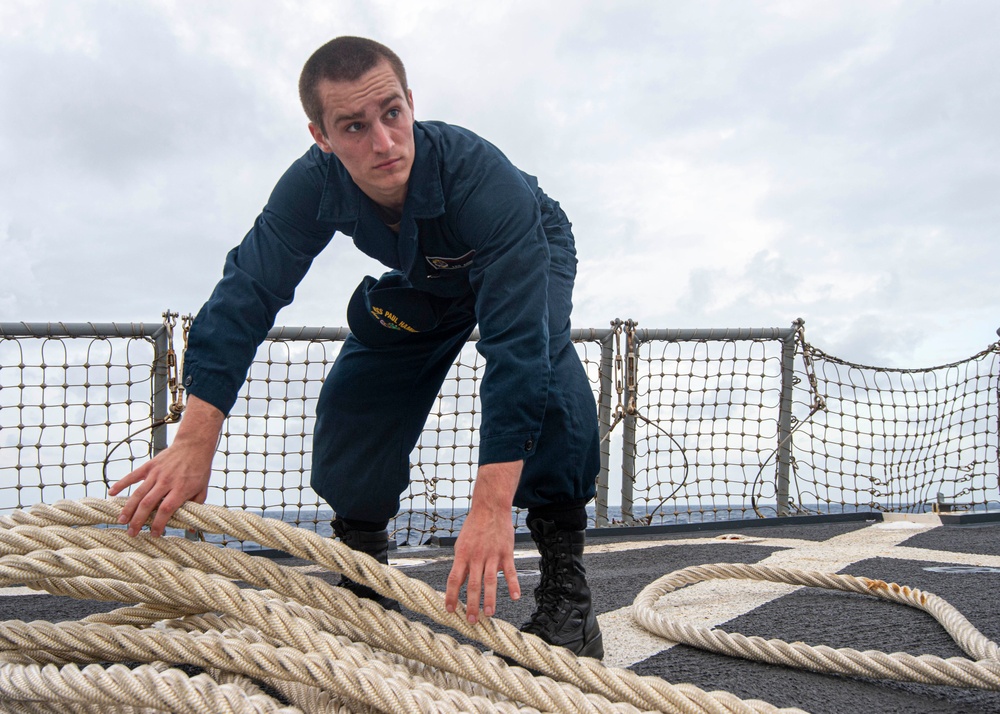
391,181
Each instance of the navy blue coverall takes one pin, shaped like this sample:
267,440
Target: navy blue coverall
479,242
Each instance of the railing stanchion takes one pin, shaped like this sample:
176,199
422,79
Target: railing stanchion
788,346
604,419
161,393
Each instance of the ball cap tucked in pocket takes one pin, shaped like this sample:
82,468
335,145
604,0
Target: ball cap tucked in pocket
388,310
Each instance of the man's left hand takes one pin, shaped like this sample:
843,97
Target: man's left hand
485,545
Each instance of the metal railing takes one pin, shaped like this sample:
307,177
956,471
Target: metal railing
708,424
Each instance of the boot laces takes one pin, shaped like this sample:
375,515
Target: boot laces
550,595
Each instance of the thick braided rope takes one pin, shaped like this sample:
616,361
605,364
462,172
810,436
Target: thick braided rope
322,648
983,673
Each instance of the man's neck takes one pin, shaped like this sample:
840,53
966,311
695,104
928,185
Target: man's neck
392,203
390,216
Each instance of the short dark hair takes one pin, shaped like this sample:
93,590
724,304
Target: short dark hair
342,59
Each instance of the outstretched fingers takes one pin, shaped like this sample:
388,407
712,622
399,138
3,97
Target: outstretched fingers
456,578
472,595
510,574
133,512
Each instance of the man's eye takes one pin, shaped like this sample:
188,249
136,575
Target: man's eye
354,128
393,113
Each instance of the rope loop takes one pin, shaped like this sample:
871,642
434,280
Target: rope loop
983,672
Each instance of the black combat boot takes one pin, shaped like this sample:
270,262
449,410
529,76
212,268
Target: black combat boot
375,544
564,616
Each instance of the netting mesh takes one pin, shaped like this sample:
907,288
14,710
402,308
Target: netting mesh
900,439
64,405
708,422
263,460
696,429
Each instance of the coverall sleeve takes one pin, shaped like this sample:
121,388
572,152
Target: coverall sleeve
259,278
510,278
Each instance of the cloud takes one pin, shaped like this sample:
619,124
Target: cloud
723,164
20,286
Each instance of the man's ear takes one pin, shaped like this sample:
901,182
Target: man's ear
409,99
320,138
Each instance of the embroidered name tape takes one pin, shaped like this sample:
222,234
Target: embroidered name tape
462,261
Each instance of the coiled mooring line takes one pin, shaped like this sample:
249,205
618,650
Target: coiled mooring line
316,645
268,638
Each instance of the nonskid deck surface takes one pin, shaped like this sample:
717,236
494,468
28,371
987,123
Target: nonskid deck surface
959,563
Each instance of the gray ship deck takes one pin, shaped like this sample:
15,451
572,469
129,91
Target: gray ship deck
960,563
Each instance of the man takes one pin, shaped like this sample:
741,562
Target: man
468,239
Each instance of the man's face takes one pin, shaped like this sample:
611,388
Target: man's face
368,125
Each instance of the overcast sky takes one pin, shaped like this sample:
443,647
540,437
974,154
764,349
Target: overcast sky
724,163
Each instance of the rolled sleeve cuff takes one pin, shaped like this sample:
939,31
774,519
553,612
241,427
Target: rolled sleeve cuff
507,447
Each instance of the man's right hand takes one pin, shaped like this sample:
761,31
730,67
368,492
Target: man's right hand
177,475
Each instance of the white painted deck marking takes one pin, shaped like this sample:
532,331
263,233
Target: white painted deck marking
20,590
716,602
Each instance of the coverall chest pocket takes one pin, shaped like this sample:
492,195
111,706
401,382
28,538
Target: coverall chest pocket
444,274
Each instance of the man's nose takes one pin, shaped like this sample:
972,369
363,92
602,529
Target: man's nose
381,141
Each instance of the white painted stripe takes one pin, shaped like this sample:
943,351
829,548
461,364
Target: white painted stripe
8,592
715,602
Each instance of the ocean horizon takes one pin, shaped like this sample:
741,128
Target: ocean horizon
412,528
